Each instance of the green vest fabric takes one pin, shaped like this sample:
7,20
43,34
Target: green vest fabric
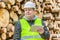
26,34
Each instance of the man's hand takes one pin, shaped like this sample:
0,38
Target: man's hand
40,30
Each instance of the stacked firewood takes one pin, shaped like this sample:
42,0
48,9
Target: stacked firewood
51,17
10,12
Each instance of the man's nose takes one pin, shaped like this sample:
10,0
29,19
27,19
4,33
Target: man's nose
27,11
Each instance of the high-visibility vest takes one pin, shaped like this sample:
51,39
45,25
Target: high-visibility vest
26,34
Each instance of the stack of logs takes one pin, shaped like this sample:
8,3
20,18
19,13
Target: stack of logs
51,17
12,10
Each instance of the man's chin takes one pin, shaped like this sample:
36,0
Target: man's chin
28,15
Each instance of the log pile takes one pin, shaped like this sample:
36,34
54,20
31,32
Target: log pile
51,17
12,10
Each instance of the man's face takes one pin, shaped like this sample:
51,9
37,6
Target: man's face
29,12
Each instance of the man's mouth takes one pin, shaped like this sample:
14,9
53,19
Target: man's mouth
28,13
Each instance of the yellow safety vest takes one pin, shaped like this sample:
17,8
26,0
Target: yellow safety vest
26,34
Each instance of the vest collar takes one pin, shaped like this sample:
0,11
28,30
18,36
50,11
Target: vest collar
28,19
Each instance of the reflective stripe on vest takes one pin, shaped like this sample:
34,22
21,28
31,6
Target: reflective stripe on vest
26,33
37,36
26,37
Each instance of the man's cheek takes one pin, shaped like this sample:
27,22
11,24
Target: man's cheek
25,12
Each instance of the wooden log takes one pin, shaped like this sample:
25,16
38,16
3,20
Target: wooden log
10,27
4,0
0,38
10,34
12,2
10,21
4,30
15,8
58,17
22,6
40,0
46,16
54,38
51,26
57,22
51,32
18,4
10,39
3,36
14,16
56,32
50,37
8,6
19,0
2,5
48,0
38,14
56,28
59,25
4,17
19,12
32,0
58,36
56,9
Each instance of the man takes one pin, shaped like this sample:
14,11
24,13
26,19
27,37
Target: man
23,26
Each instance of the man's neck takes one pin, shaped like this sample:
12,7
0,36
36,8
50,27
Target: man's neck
30,18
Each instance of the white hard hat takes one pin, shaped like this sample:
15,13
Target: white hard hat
29,4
